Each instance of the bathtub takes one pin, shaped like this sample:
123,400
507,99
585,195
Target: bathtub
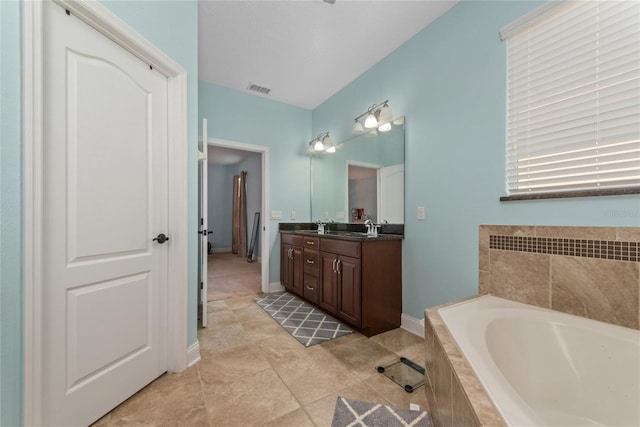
545,368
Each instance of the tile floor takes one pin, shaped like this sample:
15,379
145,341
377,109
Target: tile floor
253,372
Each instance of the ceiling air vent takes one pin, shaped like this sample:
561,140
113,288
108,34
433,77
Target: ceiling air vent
260,89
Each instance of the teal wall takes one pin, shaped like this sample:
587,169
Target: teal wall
170,25
449,81
286,130
10,216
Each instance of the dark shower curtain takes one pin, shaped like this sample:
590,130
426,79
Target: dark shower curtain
239,221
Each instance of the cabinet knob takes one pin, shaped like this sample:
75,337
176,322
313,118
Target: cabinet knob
311,288
309,242
310,261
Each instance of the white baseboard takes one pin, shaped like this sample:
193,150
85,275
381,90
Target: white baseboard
275,287
193,354
413,325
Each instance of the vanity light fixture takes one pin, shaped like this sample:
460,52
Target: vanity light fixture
376,116
322,143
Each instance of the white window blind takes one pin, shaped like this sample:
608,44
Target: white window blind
573,99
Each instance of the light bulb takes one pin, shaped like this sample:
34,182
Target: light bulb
318,146
371,121
328,144
386,127
357,128
385,114
372,133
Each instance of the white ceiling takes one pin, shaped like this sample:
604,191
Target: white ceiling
303,50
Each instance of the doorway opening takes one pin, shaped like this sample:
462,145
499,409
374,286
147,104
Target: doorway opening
233,269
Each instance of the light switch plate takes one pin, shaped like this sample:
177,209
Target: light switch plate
420,213
294,215
276,214
339,215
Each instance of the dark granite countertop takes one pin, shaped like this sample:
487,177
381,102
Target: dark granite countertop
344,235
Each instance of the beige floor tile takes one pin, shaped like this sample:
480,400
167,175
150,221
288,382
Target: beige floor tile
342,340
397,340
362,356
242,301
218,338
231,364
283,348
253,372
251,313
213,306
297,418
171,399
221,318
315,376
321,411
255,400
260,329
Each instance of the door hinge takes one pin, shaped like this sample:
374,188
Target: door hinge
201,285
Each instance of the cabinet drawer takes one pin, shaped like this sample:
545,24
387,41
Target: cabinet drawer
311,242
310,289
311,262
340,247
291,239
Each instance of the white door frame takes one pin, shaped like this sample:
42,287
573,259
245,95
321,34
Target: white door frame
264,237
98,17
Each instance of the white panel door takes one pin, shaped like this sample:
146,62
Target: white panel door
105,199
391,195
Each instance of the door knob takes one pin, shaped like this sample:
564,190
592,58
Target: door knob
161,238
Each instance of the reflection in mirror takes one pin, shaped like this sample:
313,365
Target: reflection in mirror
363,179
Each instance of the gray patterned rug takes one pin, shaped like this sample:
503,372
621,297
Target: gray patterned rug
354,413
307,324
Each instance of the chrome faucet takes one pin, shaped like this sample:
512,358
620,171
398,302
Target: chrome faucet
320,227
372,229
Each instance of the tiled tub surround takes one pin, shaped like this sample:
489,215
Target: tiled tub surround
591,272
543,367
455,395
598,284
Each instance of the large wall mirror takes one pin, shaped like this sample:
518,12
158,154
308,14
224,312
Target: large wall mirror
363,179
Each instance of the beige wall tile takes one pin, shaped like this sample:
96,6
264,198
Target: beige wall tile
595,233
520,276
428,342
484,285
483,254
628,234
442,386
462,413
510,230
604,290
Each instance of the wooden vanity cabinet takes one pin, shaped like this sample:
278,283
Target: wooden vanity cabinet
358,282
340,287
311,280
291,263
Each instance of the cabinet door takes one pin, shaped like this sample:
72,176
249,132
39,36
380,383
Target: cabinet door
286,266
349,290
297,278
328,296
